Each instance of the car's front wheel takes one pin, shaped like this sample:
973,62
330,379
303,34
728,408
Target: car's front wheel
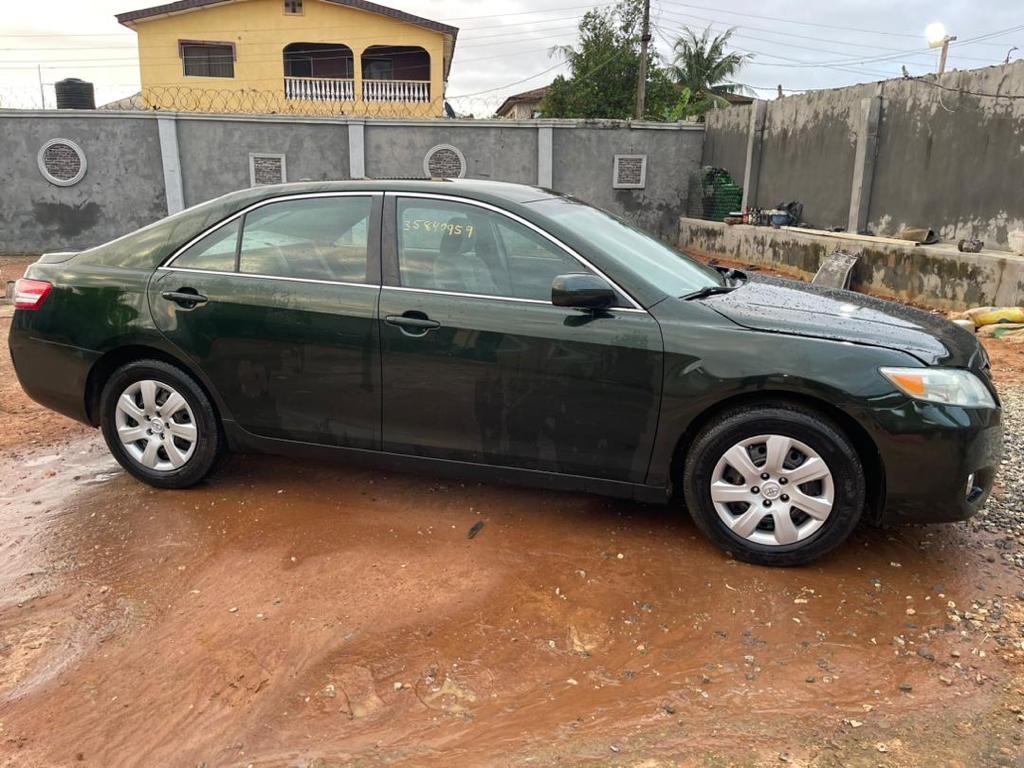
774,485
159,424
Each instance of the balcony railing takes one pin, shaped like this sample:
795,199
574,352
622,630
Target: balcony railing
319,89
405,91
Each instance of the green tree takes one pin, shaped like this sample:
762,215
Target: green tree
604,65
705,70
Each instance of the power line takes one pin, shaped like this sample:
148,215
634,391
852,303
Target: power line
122,33
845,65
509,85
805,63
463,34
679,18
843,28
754,62
589,73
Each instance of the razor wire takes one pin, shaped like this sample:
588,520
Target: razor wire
315,101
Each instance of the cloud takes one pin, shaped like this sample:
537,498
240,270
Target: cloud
802,46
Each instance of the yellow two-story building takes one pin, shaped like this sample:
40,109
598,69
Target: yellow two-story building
348,57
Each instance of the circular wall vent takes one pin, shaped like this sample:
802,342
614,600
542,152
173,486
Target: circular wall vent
62,162
444,162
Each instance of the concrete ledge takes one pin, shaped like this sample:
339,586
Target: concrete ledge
419,122
936,276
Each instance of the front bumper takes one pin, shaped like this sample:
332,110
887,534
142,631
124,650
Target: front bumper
929,452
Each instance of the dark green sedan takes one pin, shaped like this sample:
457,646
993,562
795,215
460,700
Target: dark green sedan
507,333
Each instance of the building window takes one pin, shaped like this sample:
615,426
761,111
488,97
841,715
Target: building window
378,69
61,162
293,7
208,59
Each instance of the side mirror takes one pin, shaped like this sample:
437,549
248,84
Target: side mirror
582,291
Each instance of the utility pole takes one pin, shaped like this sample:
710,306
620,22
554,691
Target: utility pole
945,50
42,93
641,80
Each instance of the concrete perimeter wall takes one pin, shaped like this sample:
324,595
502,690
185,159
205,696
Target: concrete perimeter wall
933,276
947,154
142,166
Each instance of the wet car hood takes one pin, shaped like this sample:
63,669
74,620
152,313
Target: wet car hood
786,306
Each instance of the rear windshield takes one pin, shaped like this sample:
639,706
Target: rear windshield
659,264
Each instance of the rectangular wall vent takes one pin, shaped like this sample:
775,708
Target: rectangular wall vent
630,172
266,169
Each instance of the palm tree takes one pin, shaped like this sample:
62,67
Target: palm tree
702,65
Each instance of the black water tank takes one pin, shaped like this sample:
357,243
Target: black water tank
73,93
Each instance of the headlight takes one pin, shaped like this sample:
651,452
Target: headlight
951,386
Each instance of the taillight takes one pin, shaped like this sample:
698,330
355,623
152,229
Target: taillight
30,294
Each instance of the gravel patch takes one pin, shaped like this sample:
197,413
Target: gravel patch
1000,617
1003,514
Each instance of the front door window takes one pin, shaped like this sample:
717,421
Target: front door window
460,248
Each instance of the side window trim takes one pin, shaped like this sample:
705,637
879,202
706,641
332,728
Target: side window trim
390,253
374,241
238,244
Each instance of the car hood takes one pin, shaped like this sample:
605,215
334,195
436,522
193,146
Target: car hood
786,306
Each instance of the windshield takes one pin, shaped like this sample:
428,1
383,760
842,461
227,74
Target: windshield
653,260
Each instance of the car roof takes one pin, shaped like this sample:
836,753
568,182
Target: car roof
478,189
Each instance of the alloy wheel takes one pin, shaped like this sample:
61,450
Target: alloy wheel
156,425
772,490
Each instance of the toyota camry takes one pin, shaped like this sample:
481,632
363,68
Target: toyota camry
508,333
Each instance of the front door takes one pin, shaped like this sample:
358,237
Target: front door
284,320
479,366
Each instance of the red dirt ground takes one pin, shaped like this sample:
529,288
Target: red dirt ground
308,614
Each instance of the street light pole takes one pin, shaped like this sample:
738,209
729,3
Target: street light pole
945,50
936,35
641,80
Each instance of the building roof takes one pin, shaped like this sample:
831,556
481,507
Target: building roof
184,6
737,99
518,98
181,6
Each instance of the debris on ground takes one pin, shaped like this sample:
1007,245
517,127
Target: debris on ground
982,316
970,245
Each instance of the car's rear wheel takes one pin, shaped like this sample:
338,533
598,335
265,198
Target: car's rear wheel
775,484
159,424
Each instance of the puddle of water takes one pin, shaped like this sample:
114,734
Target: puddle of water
286,611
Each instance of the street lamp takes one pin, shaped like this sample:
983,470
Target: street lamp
938,38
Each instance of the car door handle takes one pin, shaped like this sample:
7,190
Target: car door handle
187,298
412,323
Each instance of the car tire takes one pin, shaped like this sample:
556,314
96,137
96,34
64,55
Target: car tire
774,527
179,437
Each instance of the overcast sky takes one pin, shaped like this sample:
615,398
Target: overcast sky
504,45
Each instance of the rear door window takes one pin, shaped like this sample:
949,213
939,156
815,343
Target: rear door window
215,252
323,238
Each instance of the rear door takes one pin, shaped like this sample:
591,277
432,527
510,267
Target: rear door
479,366
283,319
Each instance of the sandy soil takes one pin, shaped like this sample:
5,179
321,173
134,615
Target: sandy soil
305,614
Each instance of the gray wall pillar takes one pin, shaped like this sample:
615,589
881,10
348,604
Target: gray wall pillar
167,128
752,170
356,151
545,163
864,163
